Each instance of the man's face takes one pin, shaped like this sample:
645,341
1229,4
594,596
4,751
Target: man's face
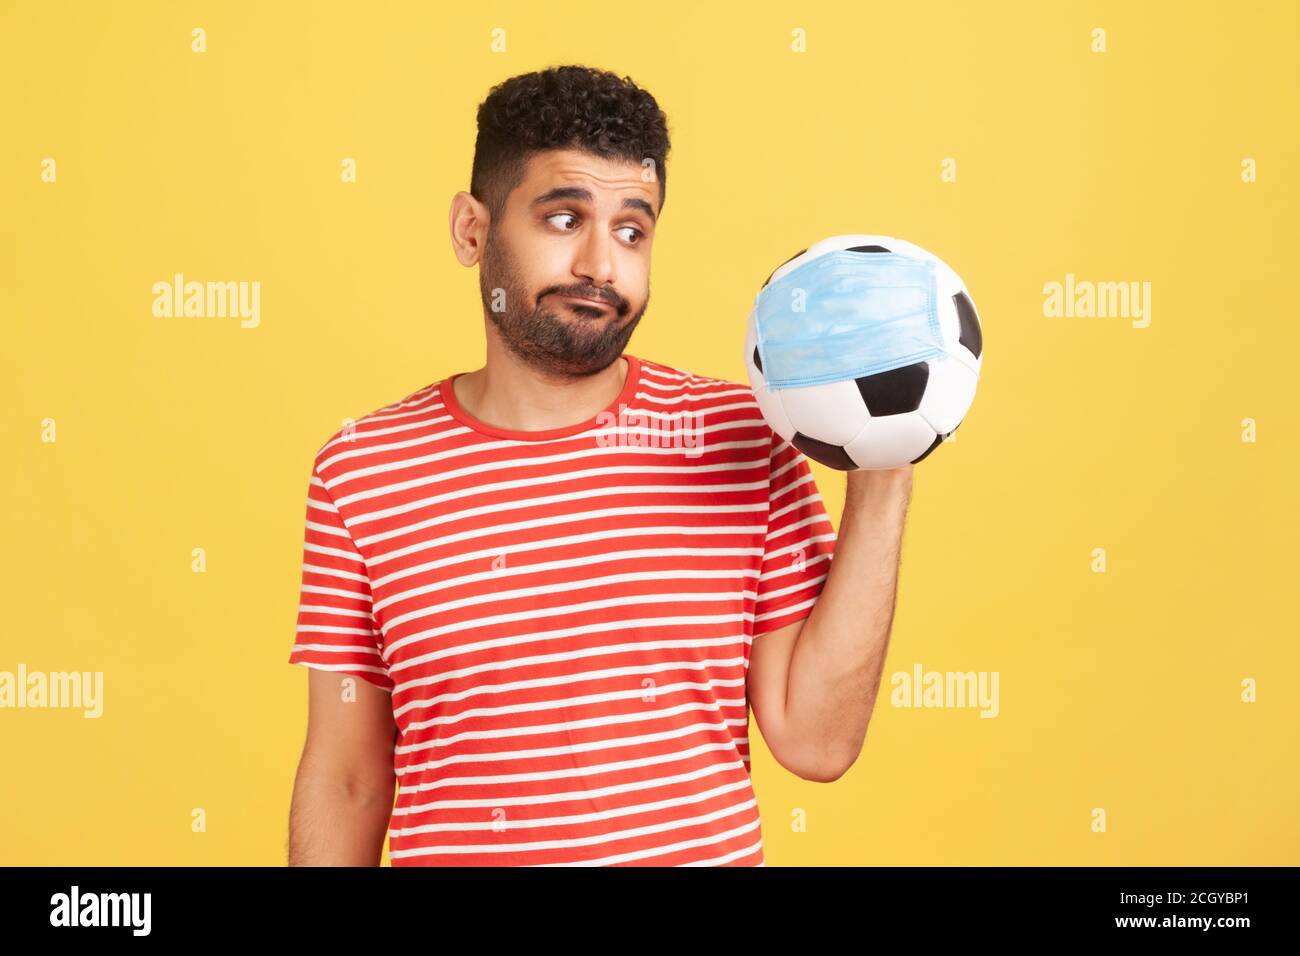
578,225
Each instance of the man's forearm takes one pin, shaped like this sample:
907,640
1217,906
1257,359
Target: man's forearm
839,655
334,823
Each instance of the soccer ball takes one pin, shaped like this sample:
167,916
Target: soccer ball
891,418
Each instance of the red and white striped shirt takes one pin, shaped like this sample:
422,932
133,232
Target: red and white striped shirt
564,617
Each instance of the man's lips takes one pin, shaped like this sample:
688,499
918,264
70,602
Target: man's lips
598,303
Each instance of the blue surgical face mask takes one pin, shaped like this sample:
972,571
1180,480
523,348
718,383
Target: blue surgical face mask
859,313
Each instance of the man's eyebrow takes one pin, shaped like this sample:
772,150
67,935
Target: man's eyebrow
583,194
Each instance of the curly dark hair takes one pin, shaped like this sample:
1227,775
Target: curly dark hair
563,107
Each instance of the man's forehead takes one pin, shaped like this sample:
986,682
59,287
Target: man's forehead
568,173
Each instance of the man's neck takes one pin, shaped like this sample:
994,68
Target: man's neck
505,393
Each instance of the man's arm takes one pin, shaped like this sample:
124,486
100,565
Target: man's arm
343,794
813,684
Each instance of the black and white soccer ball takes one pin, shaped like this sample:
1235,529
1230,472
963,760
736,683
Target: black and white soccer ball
892,418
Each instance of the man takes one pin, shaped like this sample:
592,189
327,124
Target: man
541,597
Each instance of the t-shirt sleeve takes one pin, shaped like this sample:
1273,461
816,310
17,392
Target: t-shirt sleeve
799,545
336,628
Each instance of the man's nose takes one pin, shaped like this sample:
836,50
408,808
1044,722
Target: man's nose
595,261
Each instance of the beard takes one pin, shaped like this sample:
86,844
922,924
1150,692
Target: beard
567,346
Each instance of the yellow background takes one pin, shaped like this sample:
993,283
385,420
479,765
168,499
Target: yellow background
1119,690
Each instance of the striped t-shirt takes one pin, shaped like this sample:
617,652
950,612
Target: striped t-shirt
564,617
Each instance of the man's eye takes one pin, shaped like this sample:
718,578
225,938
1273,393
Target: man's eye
634,239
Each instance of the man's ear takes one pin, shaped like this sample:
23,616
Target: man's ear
468,220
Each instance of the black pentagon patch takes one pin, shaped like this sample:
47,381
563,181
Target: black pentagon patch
938,440
833,456
896,391
970,324
757,362
866,249
791,259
